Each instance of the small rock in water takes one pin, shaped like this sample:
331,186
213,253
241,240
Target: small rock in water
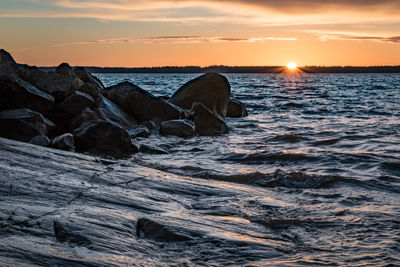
40,140
138,131
181,128
64,142
207,123
236,109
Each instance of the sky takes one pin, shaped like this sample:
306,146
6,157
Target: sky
142,33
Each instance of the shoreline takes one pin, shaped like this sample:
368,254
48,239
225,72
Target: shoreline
239,69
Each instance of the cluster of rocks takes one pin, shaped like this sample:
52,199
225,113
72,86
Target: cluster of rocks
70,109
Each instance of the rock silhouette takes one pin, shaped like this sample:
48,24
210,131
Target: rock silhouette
37,106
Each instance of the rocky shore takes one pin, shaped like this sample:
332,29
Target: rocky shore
60,208
70,109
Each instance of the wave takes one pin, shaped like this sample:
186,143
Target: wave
266,157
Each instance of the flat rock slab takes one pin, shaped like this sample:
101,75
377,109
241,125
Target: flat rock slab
61,208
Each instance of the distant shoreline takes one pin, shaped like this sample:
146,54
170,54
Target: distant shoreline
241,69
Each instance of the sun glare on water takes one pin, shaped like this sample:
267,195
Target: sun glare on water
292,66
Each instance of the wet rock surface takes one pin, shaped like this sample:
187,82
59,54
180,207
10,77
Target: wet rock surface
151,150
60,208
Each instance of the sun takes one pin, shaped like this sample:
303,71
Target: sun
292,66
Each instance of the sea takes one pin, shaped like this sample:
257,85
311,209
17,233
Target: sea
319,155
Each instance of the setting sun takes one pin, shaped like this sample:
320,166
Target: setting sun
292,66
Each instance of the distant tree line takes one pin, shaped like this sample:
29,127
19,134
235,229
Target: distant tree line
242,69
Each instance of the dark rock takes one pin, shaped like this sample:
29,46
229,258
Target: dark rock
5,57
211,89
85,116
141,104
16,93
64,69
64,142
236,109
151,150
65,233
61,119
146,228
23,124
77,102
40,140
87,77
90,89
182,128
9,70
59,86
108,111
207,123
138,131
103,137
151,125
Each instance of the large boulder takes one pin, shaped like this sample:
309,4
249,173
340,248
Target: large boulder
211,89
64,142
207,123
236,109
90,89
87,77
77,102
5,57
182,128
59,86
85,116
141,104
23,124
104,137
64,69
16,93
108,111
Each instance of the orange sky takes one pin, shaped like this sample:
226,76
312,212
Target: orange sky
176,32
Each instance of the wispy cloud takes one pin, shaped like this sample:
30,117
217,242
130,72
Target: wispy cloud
385,39
187,39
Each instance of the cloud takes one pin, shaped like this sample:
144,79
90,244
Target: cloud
186,39
303,6
390,39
